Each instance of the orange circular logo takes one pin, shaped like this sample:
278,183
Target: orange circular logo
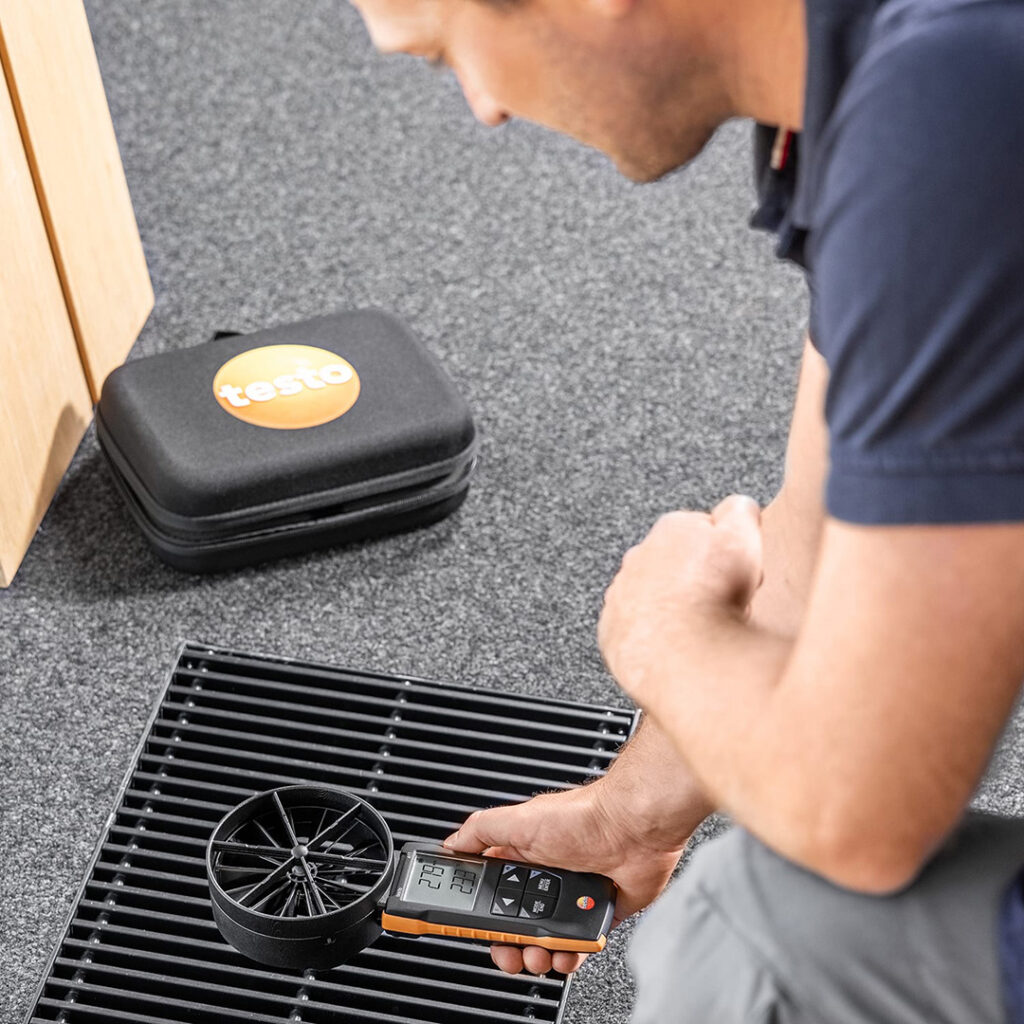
286,387
585,903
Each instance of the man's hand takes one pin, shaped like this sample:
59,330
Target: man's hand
691,568
580,830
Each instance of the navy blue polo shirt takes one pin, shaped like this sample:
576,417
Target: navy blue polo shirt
903,198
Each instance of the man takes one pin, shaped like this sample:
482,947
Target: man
834,671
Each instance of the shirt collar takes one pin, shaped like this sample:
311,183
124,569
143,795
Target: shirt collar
837,34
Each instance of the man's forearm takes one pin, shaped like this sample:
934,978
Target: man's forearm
710,692
650,778
854,749
651,768
791,532
652,791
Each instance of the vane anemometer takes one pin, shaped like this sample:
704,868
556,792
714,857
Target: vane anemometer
308,876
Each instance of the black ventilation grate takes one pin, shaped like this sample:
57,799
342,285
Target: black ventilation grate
141,944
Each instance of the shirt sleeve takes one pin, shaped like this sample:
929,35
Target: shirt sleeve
917,259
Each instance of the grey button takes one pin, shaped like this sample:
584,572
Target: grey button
537,906
513,876
543,883
507,902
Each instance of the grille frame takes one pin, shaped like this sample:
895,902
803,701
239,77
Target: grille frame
66,946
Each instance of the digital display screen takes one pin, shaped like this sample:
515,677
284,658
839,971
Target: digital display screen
443,882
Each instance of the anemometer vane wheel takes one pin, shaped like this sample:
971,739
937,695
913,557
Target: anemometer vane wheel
296,875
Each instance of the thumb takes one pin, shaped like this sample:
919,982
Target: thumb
482,830
738,511
741,517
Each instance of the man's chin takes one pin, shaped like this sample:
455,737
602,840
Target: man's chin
643,173
643,170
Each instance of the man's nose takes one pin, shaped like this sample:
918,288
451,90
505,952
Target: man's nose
484,108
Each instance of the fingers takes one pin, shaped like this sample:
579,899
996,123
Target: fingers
507,958
513,959
536,960
566,963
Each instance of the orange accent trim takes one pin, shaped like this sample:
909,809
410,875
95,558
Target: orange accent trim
413,926
780,150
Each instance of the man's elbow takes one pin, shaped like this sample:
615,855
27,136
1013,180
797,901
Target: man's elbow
876,859
877,873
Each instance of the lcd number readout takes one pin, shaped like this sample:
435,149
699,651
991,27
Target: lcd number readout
433,876
443,882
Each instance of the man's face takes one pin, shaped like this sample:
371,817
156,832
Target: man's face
610,73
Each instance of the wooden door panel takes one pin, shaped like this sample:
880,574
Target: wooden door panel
55,84
44,398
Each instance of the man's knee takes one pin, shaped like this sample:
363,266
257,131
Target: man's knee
794,947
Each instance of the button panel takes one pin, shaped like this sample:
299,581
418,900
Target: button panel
526,892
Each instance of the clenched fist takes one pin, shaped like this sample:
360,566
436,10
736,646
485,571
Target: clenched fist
692,568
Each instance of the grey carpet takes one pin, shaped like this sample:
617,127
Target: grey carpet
626,350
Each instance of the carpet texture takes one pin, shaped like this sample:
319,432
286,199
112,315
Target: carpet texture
626,350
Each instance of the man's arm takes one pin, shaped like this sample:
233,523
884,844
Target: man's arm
853,749
793,522
634,823
650,771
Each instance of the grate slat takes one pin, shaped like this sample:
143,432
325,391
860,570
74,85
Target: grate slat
107,866
403,826
450,978
141,944
234,997
189,770
494,743
460,958
241,756
323,677
158,1010
186,825
116,889
442,759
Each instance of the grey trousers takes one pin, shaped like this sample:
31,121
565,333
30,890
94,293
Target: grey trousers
746,937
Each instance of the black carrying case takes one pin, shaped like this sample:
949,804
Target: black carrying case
212,490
